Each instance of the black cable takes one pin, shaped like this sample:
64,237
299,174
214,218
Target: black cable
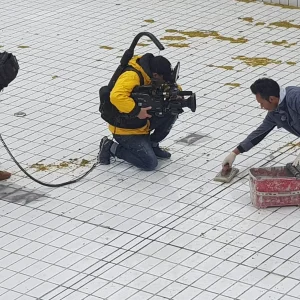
43,183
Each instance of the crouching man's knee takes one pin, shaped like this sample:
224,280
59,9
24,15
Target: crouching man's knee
150,163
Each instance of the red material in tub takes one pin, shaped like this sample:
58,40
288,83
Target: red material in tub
273,186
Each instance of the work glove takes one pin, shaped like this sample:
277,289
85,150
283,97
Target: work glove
229,159
297,161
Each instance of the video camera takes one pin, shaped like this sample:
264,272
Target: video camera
164,98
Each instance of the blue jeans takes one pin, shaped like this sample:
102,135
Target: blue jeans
138,149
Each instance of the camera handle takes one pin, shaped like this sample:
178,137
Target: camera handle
149,35
128,54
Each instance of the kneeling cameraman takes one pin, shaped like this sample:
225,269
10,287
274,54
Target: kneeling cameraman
135,144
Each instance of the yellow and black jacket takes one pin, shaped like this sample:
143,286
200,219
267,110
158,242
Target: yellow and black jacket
120,95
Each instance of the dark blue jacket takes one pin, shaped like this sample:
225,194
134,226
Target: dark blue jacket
287,116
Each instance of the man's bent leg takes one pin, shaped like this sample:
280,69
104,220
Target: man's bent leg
137,150
162,127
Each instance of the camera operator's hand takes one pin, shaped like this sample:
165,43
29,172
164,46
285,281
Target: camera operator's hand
144,113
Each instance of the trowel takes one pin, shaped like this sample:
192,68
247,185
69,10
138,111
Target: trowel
226,174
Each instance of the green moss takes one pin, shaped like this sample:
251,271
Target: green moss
23,47
54,77
149,21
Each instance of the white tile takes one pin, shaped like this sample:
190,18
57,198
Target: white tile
188,293
269,281
252,293
136,232
236,290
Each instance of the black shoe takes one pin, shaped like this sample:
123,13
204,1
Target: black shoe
159,152
104,152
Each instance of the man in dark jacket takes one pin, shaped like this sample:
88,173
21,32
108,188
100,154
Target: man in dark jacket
135,144
283,106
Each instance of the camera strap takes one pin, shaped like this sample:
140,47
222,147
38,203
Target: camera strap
130,68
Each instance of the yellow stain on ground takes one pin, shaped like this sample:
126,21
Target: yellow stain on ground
271,4
142,44
149,21
84,162
178,45
283,43
106,47
291,63
260,23
284,24
250,20
23,47
246,1
173,38
65,164
213,34
247,19
281,5
233,84
291,144
222,67
257,61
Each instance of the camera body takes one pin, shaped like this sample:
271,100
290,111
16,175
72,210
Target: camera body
164,99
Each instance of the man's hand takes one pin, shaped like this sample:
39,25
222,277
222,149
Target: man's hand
229,159
297,161
144,113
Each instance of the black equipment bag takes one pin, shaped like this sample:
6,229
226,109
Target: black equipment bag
109,112
9,68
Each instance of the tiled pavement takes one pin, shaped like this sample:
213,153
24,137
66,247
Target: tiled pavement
122,233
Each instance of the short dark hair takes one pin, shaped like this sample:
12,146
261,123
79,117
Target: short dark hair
161,66
266,88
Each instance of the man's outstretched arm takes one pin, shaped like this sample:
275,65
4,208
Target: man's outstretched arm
251,140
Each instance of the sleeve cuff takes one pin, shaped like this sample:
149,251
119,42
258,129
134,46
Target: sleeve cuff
134,113
241,149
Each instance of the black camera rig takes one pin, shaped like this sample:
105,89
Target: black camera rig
165,98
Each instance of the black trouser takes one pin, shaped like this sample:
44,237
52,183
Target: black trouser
138,149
